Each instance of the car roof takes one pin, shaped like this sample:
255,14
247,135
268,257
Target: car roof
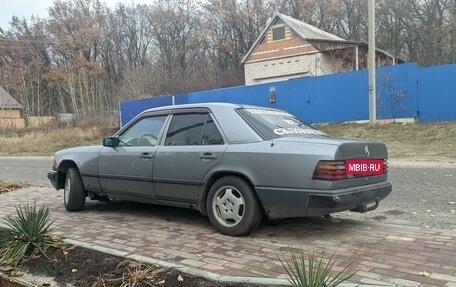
206,105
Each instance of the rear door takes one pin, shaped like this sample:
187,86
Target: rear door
193,145
126,170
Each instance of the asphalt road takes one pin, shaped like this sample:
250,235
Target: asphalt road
424,194
25,169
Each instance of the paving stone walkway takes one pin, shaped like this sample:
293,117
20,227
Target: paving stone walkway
384,254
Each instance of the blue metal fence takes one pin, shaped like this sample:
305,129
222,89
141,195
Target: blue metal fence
437,93
331,98
403,91
397,91
129,109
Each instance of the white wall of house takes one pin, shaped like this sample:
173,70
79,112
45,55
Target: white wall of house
308,65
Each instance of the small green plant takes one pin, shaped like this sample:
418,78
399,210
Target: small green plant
27,231
311,270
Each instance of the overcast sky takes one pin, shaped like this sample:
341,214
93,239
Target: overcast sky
27,8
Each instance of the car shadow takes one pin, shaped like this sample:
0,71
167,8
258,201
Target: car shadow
298,228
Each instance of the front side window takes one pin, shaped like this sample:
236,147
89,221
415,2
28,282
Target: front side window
192,129
270,124
145,132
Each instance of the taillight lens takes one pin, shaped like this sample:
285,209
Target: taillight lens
385,166
330,170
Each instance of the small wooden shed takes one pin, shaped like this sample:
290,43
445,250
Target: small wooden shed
10,111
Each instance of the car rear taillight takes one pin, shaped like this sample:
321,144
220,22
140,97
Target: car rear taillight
385,166
330,170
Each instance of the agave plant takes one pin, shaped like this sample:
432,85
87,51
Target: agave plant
310,270
27,231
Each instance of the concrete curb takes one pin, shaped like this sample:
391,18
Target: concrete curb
5,279
184,269
197,272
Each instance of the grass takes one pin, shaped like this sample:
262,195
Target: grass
404,141
47,140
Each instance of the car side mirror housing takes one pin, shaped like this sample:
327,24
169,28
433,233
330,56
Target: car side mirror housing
111,141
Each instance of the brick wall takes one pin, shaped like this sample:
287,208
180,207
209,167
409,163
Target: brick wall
290,46
313,64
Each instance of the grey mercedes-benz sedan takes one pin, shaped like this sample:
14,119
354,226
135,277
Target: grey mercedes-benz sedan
233,163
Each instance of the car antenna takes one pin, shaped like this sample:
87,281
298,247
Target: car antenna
272,139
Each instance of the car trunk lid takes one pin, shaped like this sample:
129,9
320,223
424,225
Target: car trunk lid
349,149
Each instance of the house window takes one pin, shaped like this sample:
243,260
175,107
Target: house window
278,33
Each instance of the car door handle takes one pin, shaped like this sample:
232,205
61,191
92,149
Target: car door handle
208,155
146,155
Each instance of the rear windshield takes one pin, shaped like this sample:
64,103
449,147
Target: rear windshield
271,124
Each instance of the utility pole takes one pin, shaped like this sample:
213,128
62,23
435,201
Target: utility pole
371,62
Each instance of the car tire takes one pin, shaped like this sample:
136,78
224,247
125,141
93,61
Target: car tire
74,195
232,206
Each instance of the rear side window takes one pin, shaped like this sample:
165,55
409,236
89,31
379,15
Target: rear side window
270,124
192,129
211,133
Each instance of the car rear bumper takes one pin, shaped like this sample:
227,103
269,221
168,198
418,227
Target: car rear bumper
54,178
286,203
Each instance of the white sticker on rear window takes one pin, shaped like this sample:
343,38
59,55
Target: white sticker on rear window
291,122
288,131
267,112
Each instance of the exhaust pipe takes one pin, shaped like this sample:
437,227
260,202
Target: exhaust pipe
363,207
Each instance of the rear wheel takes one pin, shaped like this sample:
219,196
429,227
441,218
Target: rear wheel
232,206
74,195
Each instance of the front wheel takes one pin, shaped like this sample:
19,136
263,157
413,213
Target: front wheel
74,195
232,206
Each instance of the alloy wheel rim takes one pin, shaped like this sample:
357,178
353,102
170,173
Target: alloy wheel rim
228,206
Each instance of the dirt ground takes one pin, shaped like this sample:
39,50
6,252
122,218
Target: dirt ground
83,267
10,186
76,266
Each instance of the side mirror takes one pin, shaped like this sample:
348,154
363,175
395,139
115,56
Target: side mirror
111,142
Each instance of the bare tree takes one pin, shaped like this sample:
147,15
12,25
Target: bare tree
429,24
231,29
352,19
75,28
85,56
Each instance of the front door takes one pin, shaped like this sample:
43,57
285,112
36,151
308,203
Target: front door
125,171
193,145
